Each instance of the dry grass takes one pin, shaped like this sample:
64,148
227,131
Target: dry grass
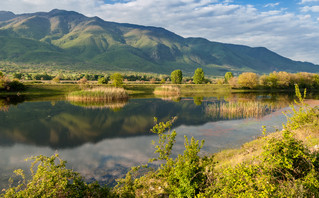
167,90
100,104
246,109
99,94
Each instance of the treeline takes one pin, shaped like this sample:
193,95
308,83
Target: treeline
274,80
90,77
246,80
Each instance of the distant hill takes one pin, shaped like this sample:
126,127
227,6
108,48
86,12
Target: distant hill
73,40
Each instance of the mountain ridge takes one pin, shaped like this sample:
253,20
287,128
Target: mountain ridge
68,38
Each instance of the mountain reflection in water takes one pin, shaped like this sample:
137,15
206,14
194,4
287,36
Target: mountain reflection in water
102,142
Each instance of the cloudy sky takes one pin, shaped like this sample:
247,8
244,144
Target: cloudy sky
288,27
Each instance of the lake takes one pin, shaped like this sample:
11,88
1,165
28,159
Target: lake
101,141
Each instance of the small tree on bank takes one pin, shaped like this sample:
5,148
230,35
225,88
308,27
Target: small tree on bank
248,80
102,80
177,76
117,79
199,76
228,76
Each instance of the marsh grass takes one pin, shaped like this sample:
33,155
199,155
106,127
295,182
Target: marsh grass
99,94
167,90
243,109
114,105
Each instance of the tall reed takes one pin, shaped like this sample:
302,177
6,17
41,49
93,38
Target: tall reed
100,104
167,90
98,94
247,109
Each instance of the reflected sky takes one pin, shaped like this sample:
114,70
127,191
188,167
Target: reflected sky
110,158
101,143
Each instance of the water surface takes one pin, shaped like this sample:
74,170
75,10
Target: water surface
101,142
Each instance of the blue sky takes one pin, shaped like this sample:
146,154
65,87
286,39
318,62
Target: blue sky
290,28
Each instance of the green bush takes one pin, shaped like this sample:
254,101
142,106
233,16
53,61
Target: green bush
102,80
15,85
117,79
199,76
52,179
177,76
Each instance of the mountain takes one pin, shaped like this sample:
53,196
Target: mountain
71,40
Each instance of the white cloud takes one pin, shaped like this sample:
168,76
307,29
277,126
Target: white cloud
272,5
310,8
308,1
218,20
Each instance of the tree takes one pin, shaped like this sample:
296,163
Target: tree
177,76
56,79
102,80
83,80
248,80
198,76
117,79
228,76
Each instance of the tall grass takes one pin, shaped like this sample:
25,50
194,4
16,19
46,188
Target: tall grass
99,94
167,90
100,104
246,109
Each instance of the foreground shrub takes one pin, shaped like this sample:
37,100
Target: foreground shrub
52,179
184,176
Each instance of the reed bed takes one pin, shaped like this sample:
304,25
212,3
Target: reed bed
99,94
236,110
167,90
100,104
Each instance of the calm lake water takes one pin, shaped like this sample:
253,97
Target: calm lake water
102,142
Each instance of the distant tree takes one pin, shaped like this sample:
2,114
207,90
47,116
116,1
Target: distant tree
248,80
163,81
83,80
117,79
41,77
177,76
198,76
1,74
17,75
56,79
228,76
233,82
3,81
102,80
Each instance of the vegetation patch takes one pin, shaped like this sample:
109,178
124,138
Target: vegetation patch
99,94
115,105
167,90
241,109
